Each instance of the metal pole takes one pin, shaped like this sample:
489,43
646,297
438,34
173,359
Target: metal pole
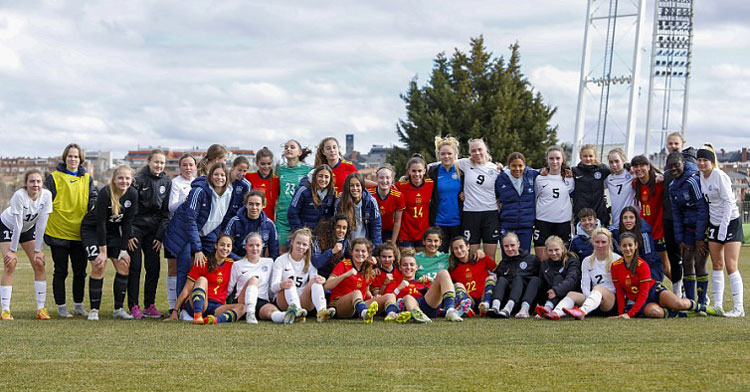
651,91
689,60
580,112
633,107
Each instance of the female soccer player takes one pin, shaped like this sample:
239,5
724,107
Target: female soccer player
417,192
177,195
240,187
446,204
195,226
553,208
589,184
389,258
432,260
581,243
470,272
650,194
620,185
690,219
295,282
725,235
597,289
150,223
390,202
329,153
360,209
630,222
252,219
514,188
264,180
561,274
517,273
73,194
289,174
313,201
349,284
23,223
205,292
423,298
330,245
216,153
105,232
640,296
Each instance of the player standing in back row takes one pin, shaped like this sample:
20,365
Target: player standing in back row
553,208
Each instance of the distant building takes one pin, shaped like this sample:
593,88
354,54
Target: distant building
138,158
368,163
349,144
13,167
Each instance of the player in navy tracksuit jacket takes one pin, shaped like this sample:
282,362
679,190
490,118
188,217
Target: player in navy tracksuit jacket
302,210
518,210
241,225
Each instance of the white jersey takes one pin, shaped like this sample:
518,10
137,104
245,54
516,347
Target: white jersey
22,214
479,185
722,206
285,267
553,198
598,274
178,193
621,194
243,270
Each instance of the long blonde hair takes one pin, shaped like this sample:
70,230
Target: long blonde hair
451,142
114,194
610,253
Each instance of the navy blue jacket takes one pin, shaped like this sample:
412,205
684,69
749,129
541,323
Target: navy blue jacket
323,260
240,226
518,211
648,253
240,188
581,243
370,218
303,213
689,208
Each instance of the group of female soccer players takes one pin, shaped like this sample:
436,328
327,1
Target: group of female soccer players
323,239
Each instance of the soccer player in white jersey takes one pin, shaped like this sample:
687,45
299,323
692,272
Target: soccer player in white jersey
620,185
725,235
178,193
23,223
480,218
553,207
295,282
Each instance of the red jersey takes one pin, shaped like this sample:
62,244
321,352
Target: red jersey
340,171
380,278
415,288
218,279
416,218
652,207
270,187
351,283
634,288
472,276
393,202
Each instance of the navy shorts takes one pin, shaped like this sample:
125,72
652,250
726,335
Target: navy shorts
660,245
6,233
413,244
734,232
653,297
385,236
210,309
428,310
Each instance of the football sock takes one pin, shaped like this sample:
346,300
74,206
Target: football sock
697,307
359,306
525,307
677,288
229,316
5,293
489,287
95,292
509,306
496,304
592,302
689,285
391,307
251,298
449,300
717,287
318,295
171,291
197,298
565,303
40,290
461,294
549,305
277,317
119,287
702,287
292,297
735,283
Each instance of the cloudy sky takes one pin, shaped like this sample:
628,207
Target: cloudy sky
115,75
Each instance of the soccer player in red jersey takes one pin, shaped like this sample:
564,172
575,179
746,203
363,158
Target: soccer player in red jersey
416,191
329,152
264,180
391,203
650,191
471,272
388,257
640,296
422,297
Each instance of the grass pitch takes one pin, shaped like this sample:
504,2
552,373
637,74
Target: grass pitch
478,354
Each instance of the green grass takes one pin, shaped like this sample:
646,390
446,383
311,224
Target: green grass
598,354
746,231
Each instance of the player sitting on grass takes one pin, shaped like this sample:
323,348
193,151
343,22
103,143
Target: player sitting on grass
471,275
388,257
517,273
560,273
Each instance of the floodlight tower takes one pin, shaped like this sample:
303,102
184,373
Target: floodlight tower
612,23
669,79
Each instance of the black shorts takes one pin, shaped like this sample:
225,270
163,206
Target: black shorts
734,232
6,233
259,304
90,246
543,230
168,254
481,226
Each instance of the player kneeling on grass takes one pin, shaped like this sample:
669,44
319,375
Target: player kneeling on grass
422,297
349,284
518,273
560,273
205,291
471,275
638,295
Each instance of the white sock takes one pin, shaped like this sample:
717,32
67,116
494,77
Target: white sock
592,302
40,288
735,283
496,304
524,307
292,297
717,287
5,293
251,298
565,303
677,288
277,317
171,291
318,297
363,314
509,306
549,305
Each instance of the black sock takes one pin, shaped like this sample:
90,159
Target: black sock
95,292
119,287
